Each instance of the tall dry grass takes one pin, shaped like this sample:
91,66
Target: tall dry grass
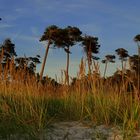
27,106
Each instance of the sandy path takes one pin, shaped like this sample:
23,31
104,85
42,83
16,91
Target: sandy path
77,131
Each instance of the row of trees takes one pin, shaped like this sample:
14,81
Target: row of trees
70,36
66,38
8,55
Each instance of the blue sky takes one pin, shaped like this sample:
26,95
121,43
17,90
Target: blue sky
115,22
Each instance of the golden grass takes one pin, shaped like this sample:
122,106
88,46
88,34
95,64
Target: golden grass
27,106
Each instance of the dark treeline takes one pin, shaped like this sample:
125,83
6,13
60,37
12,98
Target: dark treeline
66,38
8,55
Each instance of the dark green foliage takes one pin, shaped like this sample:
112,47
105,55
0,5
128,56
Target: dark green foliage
134,63
67,37
73,35
28,63
8,47
109,58
50,33
7,51
137,38
61,38
122,53
91,44
53,35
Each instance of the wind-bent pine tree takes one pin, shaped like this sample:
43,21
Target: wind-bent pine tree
108,58
137,40
90,46
50,35
123,54
72,36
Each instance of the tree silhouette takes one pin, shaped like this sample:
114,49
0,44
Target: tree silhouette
91,46
50,35
108,58
27,63
137,40
21,62
61,38
73,36
7,51
123,54
133,61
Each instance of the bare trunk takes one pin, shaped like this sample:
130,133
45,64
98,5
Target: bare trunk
125,64
138,69
89,59
123,85
67,68
138,49
44,61
89,63
105,69
96,67
122,66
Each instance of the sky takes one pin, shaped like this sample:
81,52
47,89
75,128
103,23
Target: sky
114,22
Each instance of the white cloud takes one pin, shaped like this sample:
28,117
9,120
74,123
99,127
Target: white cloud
19,10
18,35
28,38
6,25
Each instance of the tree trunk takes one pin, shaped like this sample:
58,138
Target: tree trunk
123,85
125,64
67,67
138,69
138,49
89,54
89,63
122,66
105,69
44,61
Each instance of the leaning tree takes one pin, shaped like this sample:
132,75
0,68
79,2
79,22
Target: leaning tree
108,58
50,35
91,46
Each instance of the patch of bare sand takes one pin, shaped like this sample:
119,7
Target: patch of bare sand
78,131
